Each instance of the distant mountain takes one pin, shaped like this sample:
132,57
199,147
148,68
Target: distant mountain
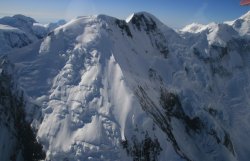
19,31
41,30
19,21
194,28
111,89
11,37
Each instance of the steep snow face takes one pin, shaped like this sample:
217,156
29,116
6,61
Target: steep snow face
11,37
124,90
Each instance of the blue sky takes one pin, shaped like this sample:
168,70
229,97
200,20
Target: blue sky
174,13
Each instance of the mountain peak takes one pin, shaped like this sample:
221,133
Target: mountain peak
142,16
136,14
144,20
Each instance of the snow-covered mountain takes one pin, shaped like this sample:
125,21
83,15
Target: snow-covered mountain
19,21
11,37
242,24
111,89
19,31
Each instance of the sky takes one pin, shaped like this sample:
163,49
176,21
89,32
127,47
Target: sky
174,13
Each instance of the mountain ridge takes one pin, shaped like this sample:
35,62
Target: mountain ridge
111,89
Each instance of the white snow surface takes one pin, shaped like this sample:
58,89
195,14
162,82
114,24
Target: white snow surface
194,28
85,75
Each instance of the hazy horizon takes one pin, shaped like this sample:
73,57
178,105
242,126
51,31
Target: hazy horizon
174,14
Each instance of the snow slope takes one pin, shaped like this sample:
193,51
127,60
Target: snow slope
137,90
11,37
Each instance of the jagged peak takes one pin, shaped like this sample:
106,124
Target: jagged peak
146,14
143,16
135,14
146,21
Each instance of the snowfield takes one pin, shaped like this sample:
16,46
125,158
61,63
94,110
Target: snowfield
110,89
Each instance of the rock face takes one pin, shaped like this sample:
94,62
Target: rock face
110,89
18,141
